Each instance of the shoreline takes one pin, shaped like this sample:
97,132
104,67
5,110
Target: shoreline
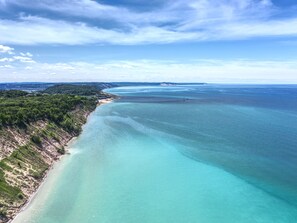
56,162
44,179
105,101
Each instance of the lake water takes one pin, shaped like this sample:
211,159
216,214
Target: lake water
179,154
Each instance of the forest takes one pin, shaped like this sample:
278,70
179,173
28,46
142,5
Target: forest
71,89
20,108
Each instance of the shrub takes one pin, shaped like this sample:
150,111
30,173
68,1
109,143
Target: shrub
61,150
36,140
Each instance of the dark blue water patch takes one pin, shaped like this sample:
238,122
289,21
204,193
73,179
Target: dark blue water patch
149,99
275,97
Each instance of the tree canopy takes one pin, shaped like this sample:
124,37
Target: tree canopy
19,108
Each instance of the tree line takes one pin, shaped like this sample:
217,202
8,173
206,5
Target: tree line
20,108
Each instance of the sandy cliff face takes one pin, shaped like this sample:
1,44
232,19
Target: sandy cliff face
26,154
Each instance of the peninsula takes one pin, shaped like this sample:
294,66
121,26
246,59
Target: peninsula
34,130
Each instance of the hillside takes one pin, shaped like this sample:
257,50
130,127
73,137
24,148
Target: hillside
34,129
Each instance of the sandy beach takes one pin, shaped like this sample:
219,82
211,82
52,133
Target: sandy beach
105,101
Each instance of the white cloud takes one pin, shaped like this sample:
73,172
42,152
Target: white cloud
212,71
6,66
22,59
36,30
179,20
6,49
179,11
5,59
26,54
13,57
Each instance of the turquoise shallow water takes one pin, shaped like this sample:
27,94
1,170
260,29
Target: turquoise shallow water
196,154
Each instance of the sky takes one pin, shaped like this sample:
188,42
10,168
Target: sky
214,41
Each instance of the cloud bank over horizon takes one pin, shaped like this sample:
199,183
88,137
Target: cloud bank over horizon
21,67
35,40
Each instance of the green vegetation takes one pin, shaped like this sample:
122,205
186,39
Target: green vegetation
83,90
13,93
26,155
21,110
36,140
7,192
22,157
61,150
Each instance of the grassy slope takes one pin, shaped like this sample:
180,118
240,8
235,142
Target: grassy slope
62,117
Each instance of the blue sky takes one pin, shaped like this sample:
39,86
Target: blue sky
231,41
